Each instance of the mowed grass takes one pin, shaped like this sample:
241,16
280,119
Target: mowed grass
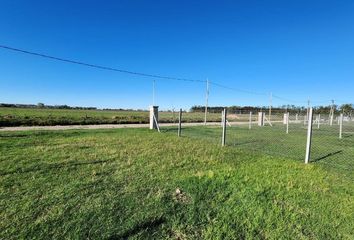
50,117
119,184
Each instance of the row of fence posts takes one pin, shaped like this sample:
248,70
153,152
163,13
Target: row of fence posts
340,123
154,125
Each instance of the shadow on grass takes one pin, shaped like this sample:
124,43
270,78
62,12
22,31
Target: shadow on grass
347,135
244,143
166,130
13,136
52,167
148,225
327,155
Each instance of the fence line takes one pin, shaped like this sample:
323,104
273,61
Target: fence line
286,136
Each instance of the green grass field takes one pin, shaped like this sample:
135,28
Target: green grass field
50,117
119,184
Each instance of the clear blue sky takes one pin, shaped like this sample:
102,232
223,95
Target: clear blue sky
295,49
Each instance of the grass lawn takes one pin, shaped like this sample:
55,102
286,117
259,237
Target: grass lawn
50,117
118,184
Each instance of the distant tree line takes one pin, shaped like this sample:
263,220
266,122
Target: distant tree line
44,106
345,108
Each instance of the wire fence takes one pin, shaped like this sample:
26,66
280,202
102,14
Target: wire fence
333,142
282,134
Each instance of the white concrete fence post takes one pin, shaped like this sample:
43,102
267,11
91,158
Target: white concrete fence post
340,125
180,122
250,121
309,137
154,117
318,121
287,123
331,120
223,140
261,119
222,118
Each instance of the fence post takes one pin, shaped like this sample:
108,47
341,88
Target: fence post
173,115
296,117
222,118
154,117
340,125
331,120
250,121
309,137
180,122
287,123
319,120
223,140
261,119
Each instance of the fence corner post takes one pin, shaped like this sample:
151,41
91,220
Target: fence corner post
154,118
309,136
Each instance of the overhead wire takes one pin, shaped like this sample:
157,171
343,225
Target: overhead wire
47,56
287,100
98,66
120,70
236,89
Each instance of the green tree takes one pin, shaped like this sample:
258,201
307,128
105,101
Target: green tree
40,105
346,108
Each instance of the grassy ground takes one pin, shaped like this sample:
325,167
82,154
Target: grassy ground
118,184
50,117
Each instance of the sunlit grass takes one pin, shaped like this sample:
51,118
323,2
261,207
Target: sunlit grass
116,184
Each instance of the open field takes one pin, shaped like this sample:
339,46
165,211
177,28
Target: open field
121,183
51,117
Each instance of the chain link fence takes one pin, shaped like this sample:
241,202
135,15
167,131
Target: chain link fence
282,134
333,142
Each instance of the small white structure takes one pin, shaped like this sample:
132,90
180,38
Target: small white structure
154,117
